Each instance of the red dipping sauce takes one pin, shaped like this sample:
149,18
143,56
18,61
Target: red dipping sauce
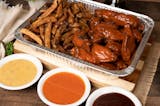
64,88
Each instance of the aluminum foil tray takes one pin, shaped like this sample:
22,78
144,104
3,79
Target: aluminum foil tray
62,59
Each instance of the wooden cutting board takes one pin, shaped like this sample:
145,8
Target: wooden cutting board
139,82
98,79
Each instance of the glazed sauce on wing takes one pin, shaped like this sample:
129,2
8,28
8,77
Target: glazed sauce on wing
113,99
63,88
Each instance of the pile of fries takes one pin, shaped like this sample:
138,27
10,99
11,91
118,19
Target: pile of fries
56,25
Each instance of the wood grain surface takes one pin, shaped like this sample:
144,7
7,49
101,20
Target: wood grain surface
148,71
153,98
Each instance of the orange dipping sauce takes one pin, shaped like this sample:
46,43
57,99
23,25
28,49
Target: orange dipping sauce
63,88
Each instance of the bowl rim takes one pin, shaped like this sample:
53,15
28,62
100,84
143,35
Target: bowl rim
59,70
111,89
27,57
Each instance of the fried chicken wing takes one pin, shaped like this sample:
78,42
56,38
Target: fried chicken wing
81,42
103,13
83,54
103,54
108,32
114,46
123,19
118,18
128,47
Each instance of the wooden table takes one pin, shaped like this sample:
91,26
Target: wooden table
153,98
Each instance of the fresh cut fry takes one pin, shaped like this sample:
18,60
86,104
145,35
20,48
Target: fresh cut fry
39,22
47,36
42,29
50,9
31,35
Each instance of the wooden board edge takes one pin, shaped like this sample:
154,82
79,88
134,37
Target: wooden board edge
98,79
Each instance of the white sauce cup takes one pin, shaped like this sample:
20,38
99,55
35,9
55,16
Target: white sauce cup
27,57
59,70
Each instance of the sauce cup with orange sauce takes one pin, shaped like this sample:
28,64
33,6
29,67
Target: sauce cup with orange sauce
63,87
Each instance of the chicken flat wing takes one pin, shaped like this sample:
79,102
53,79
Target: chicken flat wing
109,32
81,42
106,14
123,19
83,54
118,18
103,54
114,46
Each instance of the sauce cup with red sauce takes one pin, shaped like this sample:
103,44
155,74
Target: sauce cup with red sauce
112,96
63,87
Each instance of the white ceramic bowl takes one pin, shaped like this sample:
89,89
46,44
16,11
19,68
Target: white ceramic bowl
58,70
106,90
30,58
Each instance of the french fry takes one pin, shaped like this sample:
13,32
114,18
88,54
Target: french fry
39,22
42,30
75,8
56,38
70,17
70,12
31,35
47,36
66,35
50,9
64,27
59,11
54,29
35,30
64,17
